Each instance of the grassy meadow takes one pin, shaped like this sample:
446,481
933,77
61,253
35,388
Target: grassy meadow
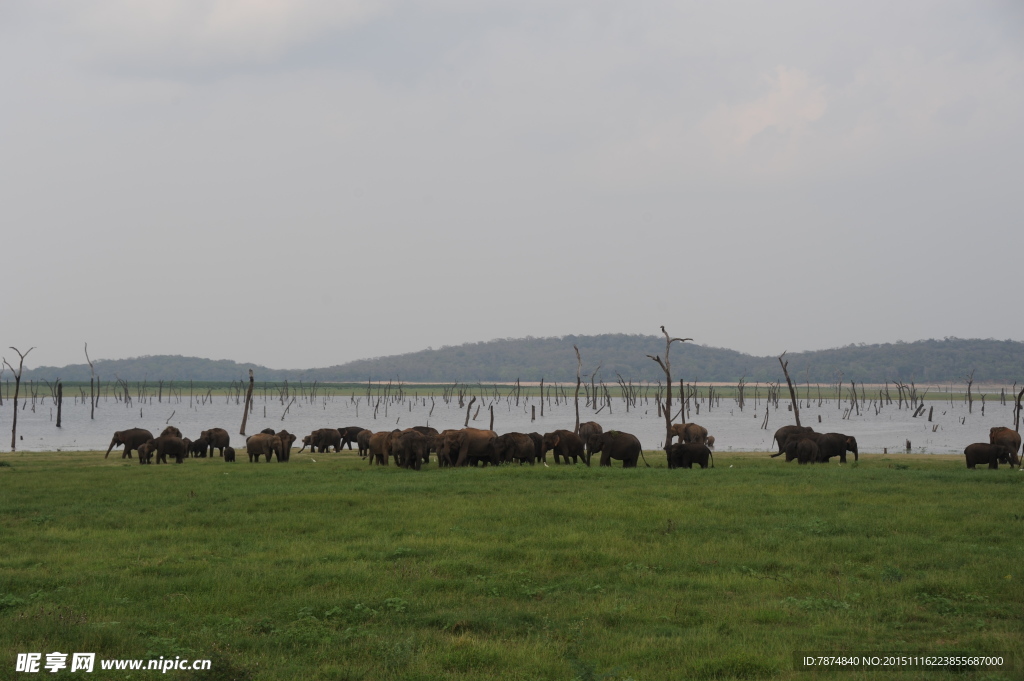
329,569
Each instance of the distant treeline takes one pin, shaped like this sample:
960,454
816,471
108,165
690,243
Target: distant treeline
531,359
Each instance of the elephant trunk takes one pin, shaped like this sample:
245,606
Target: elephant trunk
110,447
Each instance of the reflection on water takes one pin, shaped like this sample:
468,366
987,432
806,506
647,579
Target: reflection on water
734,430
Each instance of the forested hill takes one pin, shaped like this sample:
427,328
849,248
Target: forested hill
553,359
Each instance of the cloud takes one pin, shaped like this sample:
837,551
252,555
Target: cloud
791,104
211,32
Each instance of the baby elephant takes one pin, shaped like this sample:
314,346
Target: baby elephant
984,453
146,452
229,453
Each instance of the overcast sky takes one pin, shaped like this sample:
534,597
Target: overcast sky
301,183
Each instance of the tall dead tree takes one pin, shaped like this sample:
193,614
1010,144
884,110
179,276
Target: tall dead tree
792,393
1016,411
17,386
248,402
92,378
969,380
579,368
666,366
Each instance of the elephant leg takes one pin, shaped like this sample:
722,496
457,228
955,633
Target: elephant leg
606,460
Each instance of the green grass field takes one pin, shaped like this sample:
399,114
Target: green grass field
332,570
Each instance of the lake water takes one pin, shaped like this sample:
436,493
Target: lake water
734,430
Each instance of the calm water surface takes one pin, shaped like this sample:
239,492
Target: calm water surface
951,429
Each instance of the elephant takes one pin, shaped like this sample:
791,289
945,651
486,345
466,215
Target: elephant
711,442
131,439
785,432
199,447
515,446
690,433
263,444
171,431
229,454
379,449
443,458
565,444
685,454
269,431
615,445
398,447
146,452
1008,438
410,448
349,435
471,444
363,441
168,445
835,444
218,439
587,429
188,446
538,447
322,440
803,449
431,434
287,440
982,452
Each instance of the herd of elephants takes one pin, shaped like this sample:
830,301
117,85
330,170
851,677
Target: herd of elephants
412,447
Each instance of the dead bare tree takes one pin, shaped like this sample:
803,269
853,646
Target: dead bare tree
666,366
579,368
17,386
969,380
248,402
1016,411
92,378
792,393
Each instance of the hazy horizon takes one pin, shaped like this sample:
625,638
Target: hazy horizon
29,365
312,183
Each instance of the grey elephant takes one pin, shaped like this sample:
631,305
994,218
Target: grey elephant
168,445
685,454
131,439
218,438
614,444
984,453
565,444
515,447
263,444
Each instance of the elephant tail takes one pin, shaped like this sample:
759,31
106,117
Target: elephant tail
644,458
712,458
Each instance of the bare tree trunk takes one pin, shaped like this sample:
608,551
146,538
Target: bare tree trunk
492,418
468,407
666,366
17,389
248,401
1016,411
579,368
92,375
970,398
792,393
60,400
